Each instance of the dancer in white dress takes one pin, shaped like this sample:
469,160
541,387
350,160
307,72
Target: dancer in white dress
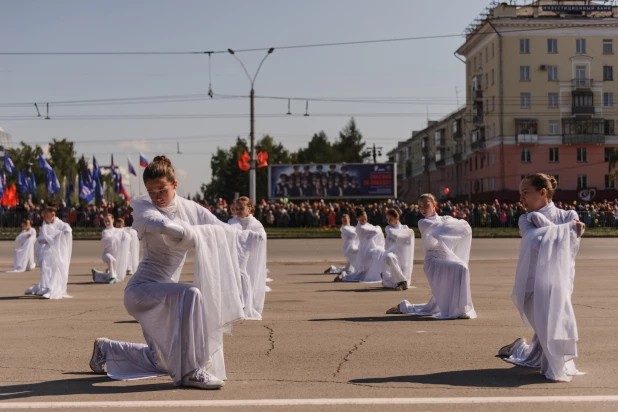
368,263
447,244
242,210
398,254
24,254
183,324
544,282
55,246
134,249
116,248
349,248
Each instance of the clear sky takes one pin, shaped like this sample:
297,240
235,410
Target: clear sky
424,72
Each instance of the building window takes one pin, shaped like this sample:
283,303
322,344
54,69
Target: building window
524,73
486,80
476,163
582,154
475,64
552,46
554,127
608,127
582,181
609,181
554,154
552,99
608,99
493,51
525,155
493,103
493,158
608,46
552,73
486,54
608,73
608,153
580,46
481,60
524,100
524,46
493,77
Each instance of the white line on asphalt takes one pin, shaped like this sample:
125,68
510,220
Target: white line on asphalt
309,402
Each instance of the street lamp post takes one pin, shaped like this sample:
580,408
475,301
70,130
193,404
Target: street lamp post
252,162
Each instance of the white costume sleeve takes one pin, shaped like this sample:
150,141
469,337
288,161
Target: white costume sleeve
57,243
399,258
370,258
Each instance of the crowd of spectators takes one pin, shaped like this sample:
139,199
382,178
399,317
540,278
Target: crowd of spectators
327,214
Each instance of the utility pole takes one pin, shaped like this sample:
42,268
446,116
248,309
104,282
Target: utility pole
375,152
252,162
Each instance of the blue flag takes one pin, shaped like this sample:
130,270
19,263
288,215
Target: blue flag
32,185
52,183
43,163
70,189
131,168
8,164
99,189
22,185
85,193
2,184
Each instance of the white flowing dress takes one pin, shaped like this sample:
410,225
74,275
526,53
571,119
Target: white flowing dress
248,289
447,244
24,253
543,289
133,250
349,249
398,256
183,324
116,249
55,246
370,257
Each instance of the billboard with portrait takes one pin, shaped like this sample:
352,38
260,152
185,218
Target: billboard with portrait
330,181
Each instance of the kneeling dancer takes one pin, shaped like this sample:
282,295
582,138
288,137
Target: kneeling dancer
116,250
544,282
24,254
183,324
447,244
398,253
350,246
55,246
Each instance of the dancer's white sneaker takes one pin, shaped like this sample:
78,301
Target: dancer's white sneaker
202,380
507,351
97,362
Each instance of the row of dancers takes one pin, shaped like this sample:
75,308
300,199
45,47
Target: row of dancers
543,281
183,324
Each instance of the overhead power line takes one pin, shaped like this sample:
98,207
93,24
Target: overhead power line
298,46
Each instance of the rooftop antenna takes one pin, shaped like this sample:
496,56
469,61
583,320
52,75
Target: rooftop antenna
289,111
47,116
178,148
38,113
307,108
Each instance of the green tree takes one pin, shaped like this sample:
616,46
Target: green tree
319,150
227,178
350,146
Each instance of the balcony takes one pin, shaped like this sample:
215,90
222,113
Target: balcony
478,120
457,157
527,138
457,135
441,142
583,131
478,94
478,145
582,103
581,84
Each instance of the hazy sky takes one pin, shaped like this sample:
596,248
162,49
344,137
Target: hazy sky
425,72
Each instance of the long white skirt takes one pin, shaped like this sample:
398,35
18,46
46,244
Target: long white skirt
450,285
172,321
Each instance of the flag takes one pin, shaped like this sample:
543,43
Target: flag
44,164
96,172
21,182
52,183
142,160
8,164
70,189
113,166
99,191
131,168
121,190
32,185
2,185
84,191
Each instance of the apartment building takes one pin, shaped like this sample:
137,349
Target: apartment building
540,97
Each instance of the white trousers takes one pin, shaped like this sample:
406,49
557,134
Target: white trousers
104,277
